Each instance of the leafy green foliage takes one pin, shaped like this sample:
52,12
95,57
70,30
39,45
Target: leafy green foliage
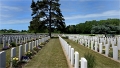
91,61
15,62
110,54
47,16
36,49
13,44
94,26
101,29
92,35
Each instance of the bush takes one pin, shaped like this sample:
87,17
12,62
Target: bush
83,44
36,38
29,54
68,42
66,37
110,54
43,43
92,35
15,62
103,51
40,46
36,49
13,44
90,60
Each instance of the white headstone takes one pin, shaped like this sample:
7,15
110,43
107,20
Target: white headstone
30,46
118,43
2,59
13,54
35,43
113,43
20,52
69,51
88,43
26,47
115,52
100,48
16,41
106,49
83,63
76,60
72,56
96,46
8,42
4,43
92,45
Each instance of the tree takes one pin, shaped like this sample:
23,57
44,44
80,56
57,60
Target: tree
101,29
46,14
102,26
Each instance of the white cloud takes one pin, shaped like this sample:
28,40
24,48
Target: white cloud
104,14
8,11
9,8
18,21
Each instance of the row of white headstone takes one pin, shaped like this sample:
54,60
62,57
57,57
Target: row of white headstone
18,39
97,43
104,40
13,51
73,56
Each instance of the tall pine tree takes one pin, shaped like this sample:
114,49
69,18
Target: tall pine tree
46,14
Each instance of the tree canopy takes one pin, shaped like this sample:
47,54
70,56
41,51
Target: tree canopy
97,27
46,14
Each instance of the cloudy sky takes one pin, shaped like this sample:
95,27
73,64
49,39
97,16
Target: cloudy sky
16,14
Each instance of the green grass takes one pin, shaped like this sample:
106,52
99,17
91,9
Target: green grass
50,56
8,53
119,54
1,46
111,50
101,61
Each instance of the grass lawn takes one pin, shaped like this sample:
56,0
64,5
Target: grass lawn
101,61
8,54
1,46
50,56
119,55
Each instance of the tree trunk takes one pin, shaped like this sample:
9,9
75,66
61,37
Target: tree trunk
50,20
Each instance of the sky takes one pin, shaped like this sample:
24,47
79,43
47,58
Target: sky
16,14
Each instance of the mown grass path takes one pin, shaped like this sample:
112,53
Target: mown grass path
50,56
101,61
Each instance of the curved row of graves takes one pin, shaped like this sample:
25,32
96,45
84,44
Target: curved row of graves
99,44
73,56
23,48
